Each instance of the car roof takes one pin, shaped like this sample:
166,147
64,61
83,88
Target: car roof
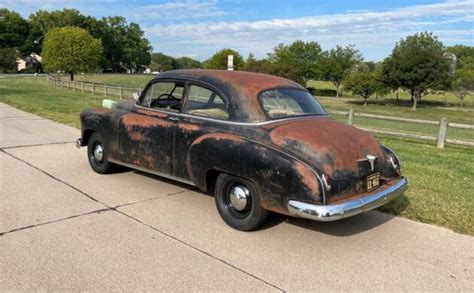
240,87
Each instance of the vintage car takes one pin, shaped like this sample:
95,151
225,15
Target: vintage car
258,142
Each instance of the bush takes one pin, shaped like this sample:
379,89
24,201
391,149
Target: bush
322,92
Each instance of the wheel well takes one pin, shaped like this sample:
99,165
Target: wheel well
211,178
87,134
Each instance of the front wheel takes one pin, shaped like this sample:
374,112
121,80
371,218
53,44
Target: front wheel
97,154
238,203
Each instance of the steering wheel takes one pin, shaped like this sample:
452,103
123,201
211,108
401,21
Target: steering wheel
170,96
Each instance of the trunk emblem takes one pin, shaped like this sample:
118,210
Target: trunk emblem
371,159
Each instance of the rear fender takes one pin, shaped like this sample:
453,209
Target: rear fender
278,176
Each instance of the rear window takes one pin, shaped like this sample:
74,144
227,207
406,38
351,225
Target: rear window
280,103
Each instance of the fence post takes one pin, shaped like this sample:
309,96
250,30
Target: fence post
351,116
93,89
121,92
105,89
443,127
74,85
82,86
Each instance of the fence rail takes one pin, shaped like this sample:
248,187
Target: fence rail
121,91
440,139
94,87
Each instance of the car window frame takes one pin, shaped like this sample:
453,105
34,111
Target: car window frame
155,81
260,102
211,88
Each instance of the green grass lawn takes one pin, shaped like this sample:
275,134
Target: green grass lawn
441,181
127,80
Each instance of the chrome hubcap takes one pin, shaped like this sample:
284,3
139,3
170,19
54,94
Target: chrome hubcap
98,153
239,196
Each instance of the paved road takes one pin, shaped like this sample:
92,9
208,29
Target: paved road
64,227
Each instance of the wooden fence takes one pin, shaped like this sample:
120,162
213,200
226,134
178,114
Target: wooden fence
94,87
440,139
121,91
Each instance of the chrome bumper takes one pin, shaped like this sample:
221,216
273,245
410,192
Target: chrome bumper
349,208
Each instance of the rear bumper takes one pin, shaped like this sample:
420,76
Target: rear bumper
349,208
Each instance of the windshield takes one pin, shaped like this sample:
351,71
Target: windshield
279,103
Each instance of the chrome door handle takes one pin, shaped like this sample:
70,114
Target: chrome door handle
174,119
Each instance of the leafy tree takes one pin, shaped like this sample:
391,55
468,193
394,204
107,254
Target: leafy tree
417,63
260,66
72,50
42,21
362,83
464,55
13,29
298,61
463,84
125,46
219,60
337,64
8,58
161,62
187,63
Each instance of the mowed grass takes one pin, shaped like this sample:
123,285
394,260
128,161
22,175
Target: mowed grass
36,95
126,80
441,180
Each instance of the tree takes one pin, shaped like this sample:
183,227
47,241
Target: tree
362,83
187,63
298,61
13,29
161,62
338,62
260,66
464,55
463,84
219,60
8,58
72,50
417,63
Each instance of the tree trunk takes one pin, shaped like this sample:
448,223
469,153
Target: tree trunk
397,94
365,101
462,102
337,89
71,75
415,98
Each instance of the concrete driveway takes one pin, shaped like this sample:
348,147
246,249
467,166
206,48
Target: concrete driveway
63,227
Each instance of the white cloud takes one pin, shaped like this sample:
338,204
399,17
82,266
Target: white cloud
179,10
363,28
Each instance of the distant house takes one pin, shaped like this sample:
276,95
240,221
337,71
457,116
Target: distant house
31,61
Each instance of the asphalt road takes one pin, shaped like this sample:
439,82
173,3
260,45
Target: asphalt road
63,227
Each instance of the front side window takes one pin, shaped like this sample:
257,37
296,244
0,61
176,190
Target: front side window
204,102
280,103
165,95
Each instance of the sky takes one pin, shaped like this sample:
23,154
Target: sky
199,28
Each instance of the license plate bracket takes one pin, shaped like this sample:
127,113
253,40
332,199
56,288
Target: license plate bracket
372,182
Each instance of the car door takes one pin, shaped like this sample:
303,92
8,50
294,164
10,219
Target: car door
146,134
203,110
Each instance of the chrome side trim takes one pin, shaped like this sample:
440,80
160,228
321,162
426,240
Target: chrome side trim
349,208
229,122
161,174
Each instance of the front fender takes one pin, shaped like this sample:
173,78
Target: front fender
278,176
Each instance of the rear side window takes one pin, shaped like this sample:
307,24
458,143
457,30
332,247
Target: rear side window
280,103
204,102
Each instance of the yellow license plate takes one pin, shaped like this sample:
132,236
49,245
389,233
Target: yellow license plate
372,181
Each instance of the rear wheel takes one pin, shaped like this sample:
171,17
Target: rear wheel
238,203
97,154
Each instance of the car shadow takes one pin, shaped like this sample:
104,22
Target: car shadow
341,228
345,227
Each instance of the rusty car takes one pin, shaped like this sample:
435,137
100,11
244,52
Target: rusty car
259,143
